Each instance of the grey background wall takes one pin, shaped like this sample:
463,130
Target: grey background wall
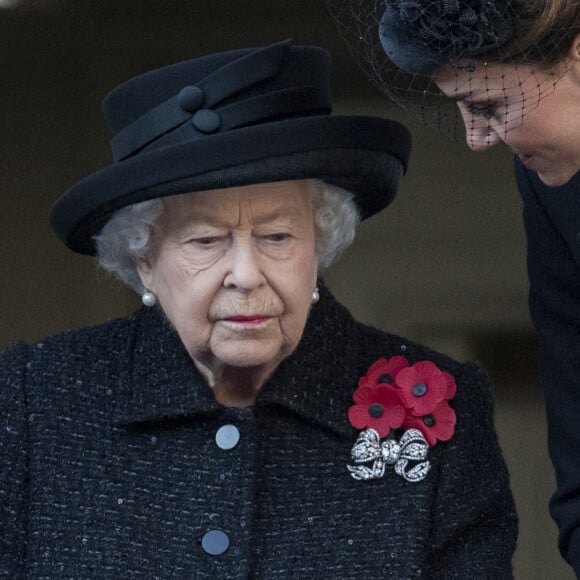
445,264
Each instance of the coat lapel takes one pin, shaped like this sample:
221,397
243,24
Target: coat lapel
317,382
160,380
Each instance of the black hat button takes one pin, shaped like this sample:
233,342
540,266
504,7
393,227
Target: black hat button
206,121
190,98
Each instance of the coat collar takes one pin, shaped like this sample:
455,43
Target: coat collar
316,382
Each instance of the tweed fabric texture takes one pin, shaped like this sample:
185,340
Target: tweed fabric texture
552,220
109,466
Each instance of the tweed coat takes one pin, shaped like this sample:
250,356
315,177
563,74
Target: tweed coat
552,220
110,469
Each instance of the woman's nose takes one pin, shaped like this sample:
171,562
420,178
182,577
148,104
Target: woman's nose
481,137
244,266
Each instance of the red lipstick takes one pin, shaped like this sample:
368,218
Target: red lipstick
247,319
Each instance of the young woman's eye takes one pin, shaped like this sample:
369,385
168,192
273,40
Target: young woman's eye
485,110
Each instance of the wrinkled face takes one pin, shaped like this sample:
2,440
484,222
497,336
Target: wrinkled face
234,271
535,113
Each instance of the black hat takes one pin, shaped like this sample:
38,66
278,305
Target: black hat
230,119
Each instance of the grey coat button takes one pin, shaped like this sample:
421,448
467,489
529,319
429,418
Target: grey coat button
227,437
215,542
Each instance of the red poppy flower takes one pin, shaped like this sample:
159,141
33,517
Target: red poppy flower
438,425
451,386
377,408
422,387
383,371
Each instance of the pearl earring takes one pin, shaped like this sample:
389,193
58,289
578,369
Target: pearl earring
148,298
315,296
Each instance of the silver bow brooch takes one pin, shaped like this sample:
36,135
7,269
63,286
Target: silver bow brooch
412,447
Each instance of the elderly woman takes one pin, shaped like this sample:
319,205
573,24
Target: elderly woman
242,424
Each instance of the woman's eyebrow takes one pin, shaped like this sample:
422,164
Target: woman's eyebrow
469,98
460,96
271,211
215,218
287,213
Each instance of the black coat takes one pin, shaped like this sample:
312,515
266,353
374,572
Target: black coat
110,469
552,220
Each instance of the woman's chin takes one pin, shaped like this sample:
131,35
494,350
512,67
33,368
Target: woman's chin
249,354
553,177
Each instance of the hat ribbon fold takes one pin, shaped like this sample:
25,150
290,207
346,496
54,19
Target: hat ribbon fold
275,105
238,75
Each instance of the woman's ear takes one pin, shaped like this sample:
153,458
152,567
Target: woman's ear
145,271
572,62
574,53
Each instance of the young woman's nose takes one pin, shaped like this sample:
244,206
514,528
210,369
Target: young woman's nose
244,266
480,137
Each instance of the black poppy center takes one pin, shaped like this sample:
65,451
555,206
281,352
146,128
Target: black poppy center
376,410
429,420
419,389
385,379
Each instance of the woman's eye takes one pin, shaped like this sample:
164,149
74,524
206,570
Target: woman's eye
207,241
277,237
485,110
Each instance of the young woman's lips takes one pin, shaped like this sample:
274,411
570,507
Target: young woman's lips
526,158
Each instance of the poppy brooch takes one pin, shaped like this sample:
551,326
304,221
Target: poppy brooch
394,395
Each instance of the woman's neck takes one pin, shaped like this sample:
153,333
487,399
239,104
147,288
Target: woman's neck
235,386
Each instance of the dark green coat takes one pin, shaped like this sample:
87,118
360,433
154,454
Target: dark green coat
109,466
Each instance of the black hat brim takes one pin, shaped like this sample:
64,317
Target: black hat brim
365,155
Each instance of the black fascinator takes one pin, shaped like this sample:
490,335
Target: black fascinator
401,44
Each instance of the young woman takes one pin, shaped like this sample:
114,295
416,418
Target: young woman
507,72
